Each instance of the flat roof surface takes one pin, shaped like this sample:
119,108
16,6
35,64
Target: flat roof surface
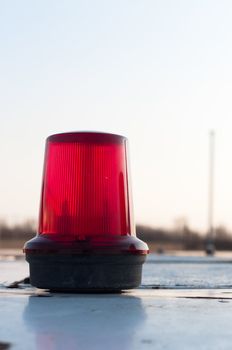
182,304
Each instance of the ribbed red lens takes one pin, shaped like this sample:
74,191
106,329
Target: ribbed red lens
86,189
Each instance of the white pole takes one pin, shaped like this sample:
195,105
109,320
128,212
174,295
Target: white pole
210,241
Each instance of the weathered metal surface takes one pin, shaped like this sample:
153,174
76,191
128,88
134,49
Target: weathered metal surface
144,318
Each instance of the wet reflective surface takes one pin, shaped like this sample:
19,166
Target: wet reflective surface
181,305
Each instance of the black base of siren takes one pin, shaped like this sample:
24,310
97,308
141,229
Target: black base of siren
78,266
85,273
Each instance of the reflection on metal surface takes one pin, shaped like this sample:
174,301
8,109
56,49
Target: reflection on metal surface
4,346
64,321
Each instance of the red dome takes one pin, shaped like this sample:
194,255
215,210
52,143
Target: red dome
86,187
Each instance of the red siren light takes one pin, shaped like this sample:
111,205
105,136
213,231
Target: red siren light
86,238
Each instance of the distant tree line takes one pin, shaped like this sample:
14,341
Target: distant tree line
181,237
23,231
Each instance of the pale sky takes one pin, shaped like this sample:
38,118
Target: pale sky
158,72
